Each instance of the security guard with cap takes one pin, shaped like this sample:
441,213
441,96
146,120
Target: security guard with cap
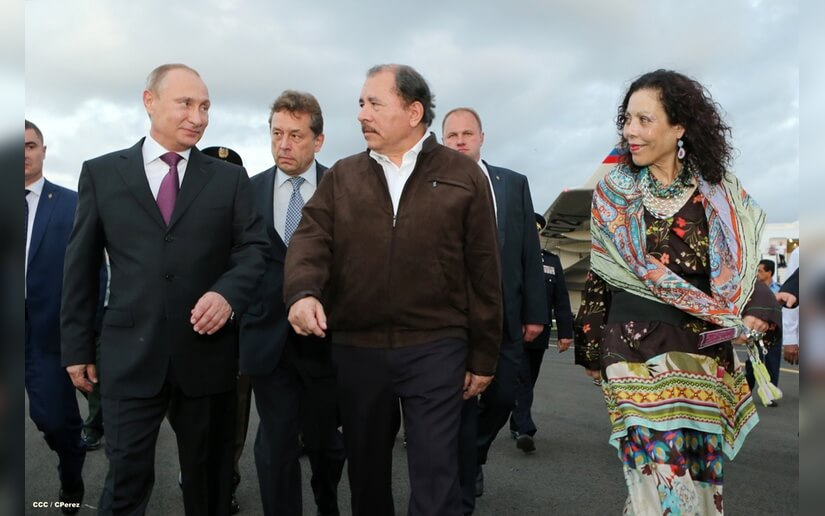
522,426
243,387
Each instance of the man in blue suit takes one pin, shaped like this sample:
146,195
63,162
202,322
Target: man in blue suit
525,302
293,377
52,400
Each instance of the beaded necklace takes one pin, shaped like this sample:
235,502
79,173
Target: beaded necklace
664,202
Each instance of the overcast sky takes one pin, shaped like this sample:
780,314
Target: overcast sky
546,76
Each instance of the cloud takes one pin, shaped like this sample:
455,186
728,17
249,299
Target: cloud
546,77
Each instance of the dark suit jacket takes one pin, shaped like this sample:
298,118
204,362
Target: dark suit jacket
264,328
521,267
44,280
558,302
791,285
214,242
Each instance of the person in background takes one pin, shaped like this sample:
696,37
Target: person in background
293,376
522,426
49,215
243,388
524,300
790,316
773,337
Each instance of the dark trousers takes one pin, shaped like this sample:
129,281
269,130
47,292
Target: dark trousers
53,408
299,396
773,361
488,415
428,380
521,419
326,459
243,390
278,400
205,432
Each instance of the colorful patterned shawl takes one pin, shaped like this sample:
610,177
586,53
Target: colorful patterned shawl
620,257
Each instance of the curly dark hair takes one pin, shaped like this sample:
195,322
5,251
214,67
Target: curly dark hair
689,104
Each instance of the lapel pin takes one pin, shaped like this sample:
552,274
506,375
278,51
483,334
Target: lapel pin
498,178
50,195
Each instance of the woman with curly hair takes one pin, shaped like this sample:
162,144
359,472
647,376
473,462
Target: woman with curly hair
675,252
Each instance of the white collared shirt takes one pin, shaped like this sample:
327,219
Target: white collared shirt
33,198
397,176
492,192
283,192
156,168
790,316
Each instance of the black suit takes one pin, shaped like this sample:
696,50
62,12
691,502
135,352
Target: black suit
558,304
293,378
150,357
791,285
524,303
52,400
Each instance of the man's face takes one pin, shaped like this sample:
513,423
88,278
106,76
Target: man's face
387,124
763,275
462,133
179,110
35,153
294,145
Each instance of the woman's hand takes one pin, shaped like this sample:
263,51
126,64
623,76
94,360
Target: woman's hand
754,323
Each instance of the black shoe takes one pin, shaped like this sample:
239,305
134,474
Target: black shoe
525,443
71,499
773,403
91,440
234,507
479,482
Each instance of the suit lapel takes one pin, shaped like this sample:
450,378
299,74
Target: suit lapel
198,172
266,200
133,172
45,207
499,181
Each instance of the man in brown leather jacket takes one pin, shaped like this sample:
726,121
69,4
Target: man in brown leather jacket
398,248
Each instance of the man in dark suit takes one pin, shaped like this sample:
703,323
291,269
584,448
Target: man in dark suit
522,425
52,400
525,305
182,263
293,377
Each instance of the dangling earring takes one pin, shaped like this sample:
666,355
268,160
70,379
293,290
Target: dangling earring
681,152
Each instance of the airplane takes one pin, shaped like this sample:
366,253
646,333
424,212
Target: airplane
567,233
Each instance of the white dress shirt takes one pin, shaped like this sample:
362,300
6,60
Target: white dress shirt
790,316
156,168
397,176
33,198
490,182
283,192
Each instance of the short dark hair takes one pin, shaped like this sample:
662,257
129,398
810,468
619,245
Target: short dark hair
156,76
411,87
37,131
458,110
768,265
299,102
689,104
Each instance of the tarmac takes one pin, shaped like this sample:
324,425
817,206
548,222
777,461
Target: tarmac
574,471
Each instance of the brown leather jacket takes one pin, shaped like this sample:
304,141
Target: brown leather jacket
431,273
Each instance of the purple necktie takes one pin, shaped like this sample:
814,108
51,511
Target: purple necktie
169,186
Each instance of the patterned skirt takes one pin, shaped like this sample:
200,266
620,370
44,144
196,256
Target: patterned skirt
673,419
